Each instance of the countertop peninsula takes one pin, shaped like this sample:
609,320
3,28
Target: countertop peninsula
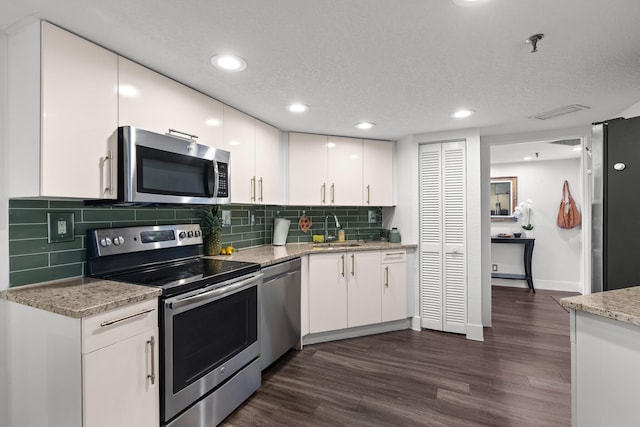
79,297
622,305
268,255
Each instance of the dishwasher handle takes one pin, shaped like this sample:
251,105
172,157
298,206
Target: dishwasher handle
280,276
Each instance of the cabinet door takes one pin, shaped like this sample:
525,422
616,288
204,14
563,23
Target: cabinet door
344,171
377,172
268,170
79,115
364,293
327,292
239,137
308,169
151,101
117,389
394,291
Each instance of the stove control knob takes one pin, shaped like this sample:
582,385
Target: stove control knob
118,240
104,242
198,234
182,235
190,233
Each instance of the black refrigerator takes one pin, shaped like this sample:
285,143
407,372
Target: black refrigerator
615,170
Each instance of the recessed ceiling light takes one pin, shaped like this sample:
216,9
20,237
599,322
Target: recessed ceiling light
228,62
528,158
461,114
468,2
298,108
365,125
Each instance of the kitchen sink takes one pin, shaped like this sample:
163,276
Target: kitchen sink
335,245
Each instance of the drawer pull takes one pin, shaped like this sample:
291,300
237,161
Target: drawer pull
122,319
394,253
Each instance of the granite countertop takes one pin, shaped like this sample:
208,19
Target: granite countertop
622,305
268,255
80,297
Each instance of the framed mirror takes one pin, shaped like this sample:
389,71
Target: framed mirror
504,198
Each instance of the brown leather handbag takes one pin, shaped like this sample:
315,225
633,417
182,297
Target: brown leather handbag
568,215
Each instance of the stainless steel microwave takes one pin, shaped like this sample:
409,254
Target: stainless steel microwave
163,169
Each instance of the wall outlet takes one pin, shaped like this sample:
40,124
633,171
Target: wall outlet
60,227
494,267
226,218
373,217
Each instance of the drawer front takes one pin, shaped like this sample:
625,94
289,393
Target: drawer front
116,325
394,256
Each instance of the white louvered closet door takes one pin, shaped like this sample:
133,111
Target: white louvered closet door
443,278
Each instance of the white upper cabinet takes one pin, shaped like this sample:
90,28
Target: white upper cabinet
307,169
329,170
151,101
377,172
255,158
344,171
239,137
267,159
62,97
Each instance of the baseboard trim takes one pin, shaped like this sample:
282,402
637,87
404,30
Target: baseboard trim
475,332
415,323
360,331
549,285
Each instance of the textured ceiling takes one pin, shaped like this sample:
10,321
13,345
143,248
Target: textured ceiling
405,65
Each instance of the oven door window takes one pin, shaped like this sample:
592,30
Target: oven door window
161,172
209,335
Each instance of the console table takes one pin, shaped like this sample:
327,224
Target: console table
528,254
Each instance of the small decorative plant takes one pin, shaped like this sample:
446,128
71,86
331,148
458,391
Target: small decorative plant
525,208
211,224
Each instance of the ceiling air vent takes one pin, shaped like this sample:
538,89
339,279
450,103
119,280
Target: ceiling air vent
567,142
560,112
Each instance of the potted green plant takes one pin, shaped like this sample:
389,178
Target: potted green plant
211,224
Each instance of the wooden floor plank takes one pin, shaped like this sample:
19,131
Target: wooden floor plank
519,376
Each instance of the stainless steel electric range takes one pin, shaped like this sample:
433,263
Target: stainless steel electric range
208,316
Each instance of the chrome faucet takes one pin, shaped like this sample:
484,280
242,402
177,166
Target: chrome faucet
326,226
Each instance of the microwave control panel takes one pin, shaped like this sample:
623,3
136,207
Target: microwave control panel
223,180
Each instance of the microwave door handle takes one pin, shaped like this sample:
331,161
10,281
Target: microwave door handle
210,179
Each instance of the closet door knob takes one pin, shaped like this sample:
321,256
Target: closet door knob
619,166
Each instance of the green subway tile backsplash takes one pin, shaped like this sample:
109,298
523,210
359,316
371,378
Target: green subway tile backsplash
32,259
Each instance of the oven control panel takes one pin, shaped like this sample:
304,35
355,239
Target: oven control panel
114,241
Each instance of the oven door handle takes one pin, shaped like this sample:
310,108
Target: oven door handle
212,294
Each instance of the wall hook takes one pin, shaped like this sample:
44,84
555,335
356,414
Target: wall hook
533,41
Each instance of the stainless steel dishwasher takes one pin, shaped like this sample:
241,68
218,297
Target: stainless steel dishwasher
279,310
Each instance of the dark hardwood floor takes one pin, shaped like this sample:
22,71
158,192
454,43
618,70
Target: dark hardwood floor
519,376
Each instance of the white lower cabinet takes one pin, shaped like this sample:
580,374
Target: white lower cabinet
120,380
394,285
347,289
100,370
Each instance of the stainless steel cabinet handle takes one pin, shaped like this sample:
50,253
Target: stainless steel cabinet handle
386,276
333,192
260,185
152,375
109,188
368,194
394,253
342,265
252,184
122,319
323,192
353,265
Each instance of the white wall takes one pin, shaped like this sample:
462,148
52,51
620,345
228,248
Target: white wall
632,111
557,255
406,216
4,235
